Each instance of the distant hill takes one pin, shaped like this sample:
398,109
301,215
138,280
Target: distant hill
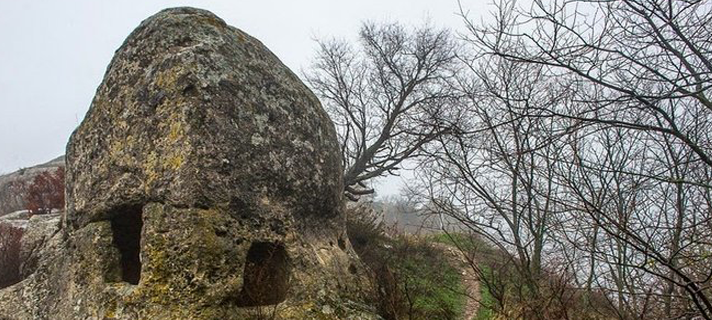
11,199
405,217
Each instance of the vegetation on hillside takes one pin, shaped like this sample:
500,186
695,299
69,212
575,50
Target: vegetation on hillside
45,192
571,136
411,278
13,186
504,294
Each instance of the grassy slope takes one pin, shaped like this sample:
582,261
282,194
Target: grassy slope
482,249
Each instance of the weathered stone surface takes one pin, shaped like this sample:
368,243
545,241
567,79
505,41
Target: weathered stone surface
204,183
42,294
195,113
40,229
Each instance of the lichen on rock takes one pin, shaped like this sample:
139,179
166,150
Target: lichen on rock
204,183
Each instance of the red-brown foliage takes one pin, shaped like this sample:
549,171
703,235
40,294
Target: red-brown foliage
46,192
10,237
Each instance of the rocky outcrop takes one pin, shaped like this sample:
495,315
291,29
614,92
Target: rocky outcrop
46,266
40,229
204,183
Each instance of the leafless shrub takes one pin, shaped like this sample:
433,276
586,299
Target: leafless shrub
411,279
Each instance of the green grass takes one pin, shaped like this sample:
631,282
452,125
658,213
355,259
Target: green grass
485,311
469,243
427,286
482,250
446,293
437,285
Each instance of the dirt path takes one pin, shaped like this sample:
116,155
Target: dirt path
469,280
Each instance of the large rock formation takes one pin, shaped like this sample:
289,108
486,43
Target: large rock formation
204,183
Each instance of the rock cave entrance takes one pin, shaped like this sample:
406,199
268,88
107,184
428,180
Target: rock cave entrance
266,276
126,225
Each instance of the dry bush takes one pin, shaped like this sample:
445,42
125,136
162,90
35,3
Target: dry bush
367,236
509,294
10,237
366,232
411,279
46,192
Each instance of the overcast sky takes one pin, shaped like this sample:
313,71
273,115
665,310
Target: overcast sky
53,54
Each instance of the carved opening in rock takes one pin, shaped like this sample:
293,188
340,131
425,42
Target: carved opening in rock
126,225
266,276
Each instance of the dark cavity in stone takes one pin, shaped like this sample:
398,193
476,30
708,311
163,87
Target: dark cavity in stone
126,225
266,277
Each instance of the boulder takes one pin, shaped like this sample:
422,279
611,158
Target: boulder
205,182
40,229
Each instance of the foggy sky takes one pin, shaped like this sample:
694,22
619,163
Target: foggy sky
53,54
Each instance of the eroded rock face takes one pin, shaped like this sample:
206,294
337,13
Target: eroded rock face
195,113
204,183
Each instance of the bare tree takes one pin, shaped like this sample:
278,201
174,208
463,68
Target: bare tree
496,174
644,236
640,64
575,136
388,98
635,178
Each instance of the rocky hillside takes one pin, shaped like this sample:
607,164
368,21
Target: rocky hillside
11,198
